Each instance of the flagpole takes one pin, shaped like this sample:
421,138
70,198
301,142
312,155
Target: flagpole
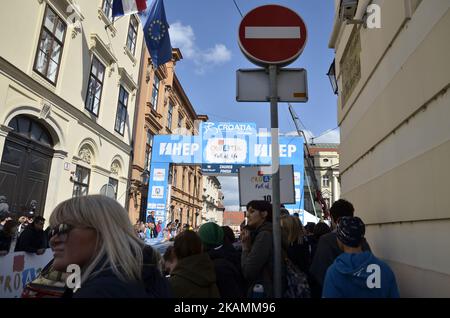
114,20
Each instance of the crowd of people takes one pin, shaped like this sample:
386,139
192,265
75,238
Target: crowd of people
208,262
23,233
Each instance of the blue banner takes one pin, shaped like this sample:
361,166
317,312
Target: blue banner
221,147
243,150
299,188
157,199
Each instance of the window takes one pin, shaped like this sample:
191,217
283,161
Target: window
189,183
31,129
325,181
170,174
114,184
174,176
148,151
51,43
95,86
180,120
107,9
132,34
169,116
183,179
195,185
121,111
81,181
155,92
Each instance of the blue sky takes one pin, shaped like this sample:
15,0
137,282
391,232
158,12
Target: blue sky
206,33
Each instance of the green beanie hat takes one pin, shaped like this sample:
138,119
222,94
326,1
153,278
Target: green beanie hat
211,234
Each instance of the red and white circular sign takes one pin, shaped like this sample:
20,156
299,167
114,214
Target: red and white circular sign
272,34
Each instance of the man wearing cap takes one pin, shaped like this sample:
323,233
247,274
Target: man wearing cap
327,249
355,273
230,281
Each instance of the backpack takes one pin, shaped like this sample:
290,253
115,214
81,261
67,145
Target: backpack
296,282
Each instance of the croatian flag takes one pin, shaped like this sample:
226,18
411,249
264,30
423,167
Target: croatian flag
127,7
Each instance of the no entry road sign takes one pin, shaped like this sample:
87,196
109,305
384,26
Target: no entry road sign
272,35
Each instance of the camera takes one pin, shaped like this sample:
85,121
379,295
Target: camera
348,9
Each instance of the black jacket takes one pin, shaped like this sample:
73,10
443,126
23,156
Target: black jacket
31,240
108,285
229,279
5,241
299,255
156,285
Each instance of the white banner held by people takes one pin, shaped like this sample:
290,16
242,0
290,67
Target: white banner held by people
18,269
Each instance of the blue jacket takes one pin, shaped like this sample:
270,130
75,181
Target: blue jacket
355,276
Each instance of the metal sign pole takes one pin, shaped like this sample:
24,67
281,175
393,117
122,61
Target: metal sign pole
275,179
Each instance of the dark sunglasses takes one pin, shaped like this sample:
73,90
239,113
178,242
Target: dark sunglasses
61,229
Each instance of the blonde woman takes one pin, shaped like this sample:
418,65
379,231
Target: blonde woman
294,242
94,232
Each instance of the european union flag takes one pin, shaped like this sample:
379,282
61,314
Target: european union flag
156,33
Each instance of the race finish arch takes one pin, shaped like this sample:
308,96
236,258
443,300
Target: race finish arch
235,144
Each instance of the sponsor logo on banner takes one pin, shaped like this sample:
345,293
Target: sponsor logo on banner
159,213
210,128
151,206
226,150
159,174
297,178
297,194
160,206
157,192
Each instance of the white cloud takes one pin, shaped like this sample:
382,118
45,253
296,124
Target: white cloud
218,54
183,37
333,136
230,190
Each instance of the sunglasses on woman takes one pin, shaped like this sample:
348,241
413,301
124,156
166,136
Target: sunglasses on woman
61,229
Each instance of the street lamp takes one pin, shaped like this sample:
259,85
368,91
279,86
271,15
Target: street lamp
332,76
144,177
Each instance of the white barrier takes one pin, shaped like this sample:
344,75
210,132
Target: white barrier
18,269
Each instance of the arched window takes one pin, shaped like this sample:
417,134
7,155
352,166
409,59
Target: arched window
31,129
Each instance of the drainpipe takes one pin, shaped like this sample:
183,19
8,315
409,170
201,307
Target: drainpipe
133,137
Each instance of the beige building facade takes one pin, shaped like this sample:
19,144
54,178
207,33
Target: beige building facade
213,208
326,169
68,83
393,111
165,109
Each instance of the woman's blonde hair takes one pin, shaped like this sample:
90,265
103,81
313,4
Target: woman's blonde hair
292,230
117,242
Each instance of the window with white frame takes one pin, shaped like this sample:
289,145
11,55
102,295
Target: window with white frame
121,115
169,116
148,150
132,34
81,181
107,9
95,86
155,92
50,48
325,181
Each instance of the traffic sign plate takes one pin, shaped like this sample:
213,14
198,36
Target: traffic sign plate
272,34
